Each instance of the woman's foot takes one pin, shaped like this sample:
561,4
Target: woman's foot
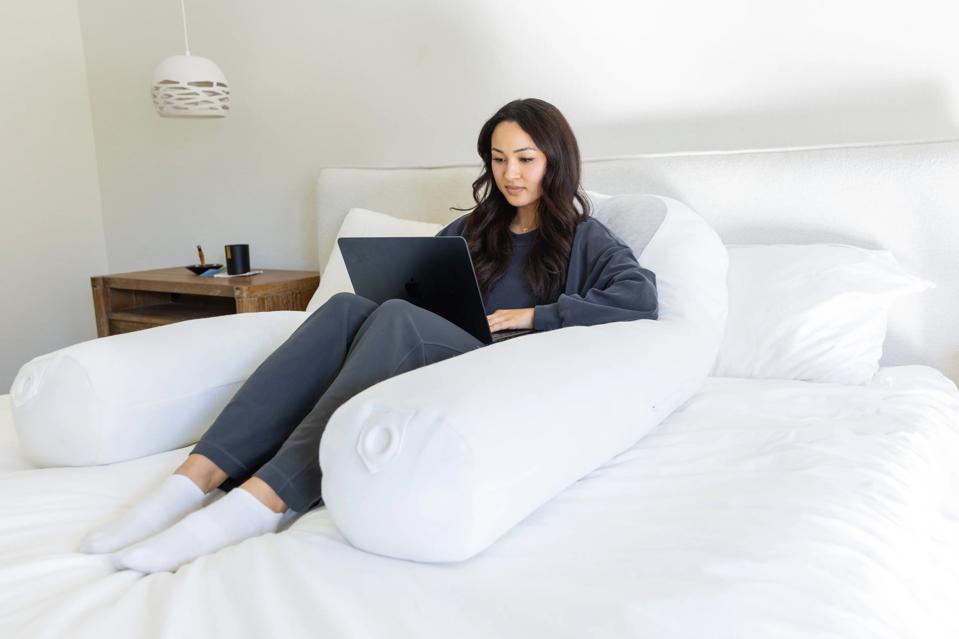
175,497
237,516
178,495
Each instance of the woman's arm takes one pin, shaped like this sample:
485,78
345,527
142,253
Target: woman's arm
613,287
453,228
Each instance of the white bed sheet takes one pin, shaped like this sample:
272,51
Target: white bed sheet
761,508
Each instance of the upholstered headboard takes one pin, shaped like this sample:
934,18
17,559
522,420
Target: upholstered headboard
900,197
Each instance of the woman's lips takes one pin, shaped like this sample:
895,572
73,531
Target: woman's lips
514,190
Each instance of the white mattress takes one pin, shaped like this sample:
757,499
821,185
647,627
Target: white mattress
759,509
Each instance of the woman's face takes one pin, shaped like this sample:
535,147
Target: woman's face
517,163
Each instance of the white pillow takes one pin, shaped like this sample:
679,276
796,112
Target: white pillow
437,463
362,223
135,394
812,312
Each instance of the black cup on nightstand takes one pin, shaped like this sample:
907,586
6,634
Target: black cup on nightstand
237,258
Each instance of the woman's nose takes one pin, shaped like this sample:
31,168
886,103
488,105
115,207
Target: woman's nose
512,170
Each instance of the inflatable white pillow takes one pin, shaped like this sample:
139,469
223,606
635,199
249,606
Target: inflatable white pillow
437,463
126,396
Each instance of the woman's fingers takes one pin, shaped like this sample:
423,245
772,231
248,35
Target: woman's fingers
498,321
494,321
510,318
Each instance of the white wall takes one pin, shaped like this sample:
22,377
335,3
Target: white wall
51,229
379,82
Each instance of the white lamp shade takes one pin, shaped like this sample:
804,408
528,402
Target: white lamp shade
190,86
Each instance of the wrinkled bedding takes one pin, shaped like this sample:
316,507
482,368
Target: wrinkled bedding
760,508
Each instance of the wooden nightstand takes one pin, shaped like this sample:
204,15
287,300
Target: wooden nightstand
127,302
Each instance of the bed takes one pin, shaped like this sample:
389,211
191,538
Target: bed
759,508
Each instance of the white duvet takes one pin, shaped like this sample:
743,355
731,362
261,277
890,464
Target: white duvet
760,508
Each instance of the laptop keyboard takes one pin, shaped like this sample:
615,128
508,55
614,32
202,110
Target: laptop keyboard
508,333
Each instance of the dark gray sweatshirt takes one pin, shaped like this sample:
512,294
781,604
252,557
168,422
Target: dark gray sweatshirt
604,282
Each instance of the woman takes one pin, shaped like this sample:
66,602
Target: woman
541,264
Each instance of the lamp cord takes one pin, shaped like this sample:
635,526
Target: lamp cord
186,38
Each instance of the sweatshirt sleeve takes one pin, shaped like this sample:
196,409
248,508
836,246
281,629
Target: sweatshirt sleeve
618,289
454,228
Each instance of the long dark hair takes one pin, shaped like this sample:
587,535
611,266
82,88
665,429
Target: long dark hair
487,227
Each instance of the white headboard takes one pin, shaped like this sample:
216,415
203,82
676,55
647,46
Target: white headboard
903,197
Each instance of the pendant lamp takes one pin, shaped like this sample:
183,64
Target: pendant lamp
188,86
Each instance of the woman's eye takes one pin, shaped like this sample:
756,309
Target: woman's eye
527,159
497,159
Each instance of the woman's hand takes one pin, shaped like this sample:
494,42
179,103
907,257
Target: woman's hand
510,318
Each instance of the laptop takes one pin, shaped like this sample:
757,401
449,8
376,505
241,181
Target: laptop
435,273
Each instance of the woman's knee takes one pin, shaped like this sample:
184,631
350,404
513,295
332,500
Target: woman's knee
341,308
393,309
346,300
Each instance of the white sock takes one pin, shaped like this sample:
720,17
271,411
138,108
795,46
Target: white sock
175,497
289,518
235,517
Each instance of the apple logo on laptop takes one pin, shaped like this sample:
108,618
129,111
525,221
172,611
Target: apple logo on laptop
412,288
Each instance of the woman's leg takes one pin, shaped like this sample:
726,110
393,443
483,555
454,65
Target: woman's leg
253,424
397,337
277,395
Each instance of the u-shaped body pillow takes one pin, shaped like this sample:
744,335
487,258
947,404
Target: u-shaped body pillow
437,463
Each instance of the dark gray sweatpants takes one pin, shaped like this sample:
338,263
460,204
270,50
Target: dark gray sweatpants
271,428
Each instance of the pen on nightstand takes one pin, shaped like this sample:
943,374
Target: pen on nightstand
199,250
